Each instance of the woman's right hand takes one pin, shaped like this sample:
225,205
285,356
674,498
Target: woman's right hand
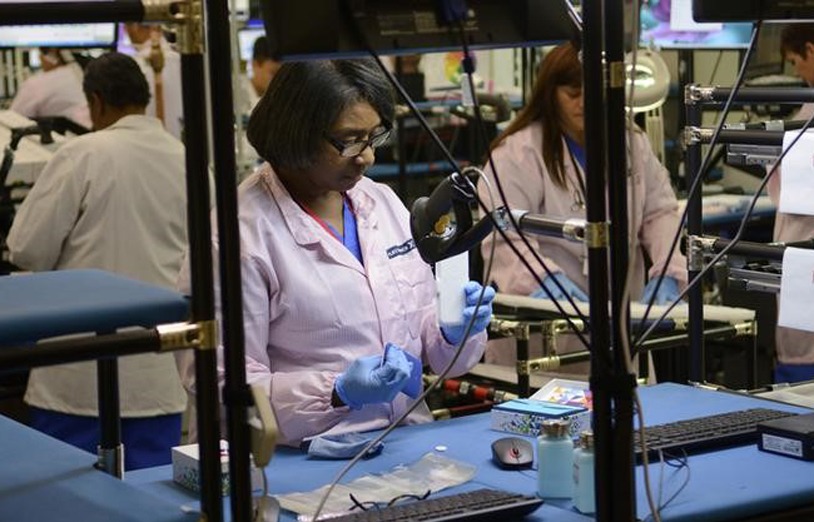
371,380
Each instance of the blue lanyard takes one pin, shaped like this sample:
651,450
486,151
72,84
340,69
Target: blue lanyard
576,150
577,153
351,237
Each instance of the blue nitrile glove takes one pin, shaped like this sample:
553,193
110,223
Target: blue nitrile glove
371,380
342,446
668,291
570,288
454,333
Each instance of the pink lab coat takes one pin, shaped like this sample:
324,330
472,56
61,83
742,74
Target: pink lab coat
792,346
311,308
652,222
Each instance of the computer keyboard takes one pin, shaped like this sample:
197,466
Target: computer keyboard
480,505
737,428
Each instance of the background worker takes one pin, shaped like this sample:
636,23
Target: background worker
794,348
540,160
161,65
54,91
263,67
113,199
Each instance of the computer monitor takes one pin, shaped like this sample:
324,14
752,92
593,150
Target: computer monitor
305,29
246,38
753,10
766,58
59,35
669,24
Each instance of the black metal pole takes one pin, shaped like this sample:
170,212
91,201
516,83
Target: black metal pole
15,358
773,251
235,393
686,73
597,241
201,277
695,227
780,95
27,13
110,424
746,137
623,486
523,379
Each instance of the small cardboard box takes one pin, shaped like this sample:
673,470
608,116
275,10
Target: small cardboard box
559,399
186,469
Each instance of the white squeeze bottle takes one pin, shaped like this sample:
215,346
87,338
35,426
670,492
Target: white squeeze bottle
584,493
555,453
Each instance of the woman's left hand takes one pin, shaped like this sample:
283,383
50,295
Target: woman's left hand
454,334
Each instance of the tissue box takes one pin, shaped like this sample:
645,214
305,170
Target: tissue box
564,391
186,469
559,399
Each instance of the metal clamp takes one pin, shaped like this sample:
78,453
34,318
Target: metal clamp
596,234
502,218
542,364
190,33
694,94
697,249
616,75
111,460
180,336
160,10
748,328
694,135
574,229
520,330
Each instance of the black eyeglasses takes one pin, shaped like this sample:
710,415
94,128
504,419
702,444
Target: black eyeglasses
365,506
350,149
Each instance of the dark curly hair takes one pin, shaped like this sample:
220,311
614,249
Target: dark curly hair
117,79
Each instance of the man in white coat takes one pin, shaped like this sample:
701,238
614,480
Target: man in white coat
161,65
114,199
54,91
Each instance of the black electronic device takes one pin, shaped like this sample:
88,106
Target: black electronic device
323,29
711,432
766,58
670,25
441,223
789,436
513,453
752,10
484,505
414,85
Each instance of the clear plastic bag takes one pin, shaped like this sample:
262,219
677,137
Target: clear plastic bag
431,473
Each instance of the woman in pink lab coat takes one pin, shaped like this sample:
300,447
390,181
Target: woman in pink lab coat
540,162
339,309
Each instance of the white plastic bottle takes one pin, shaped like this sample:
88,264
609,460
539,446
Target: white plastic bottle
584,496
555,453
